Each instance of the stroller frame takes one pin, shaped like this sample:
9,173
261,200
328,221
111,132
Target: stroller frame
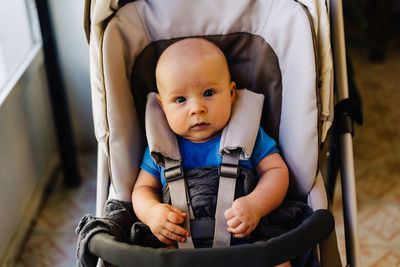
346,147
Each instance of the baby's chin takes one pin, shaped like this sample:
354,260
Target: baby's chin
201,138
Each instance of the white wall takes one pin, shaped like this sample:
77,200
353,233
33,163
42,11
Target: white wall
28,154
73,51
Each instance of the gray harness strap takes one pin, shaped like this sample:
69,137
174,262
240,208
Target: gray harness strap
179,196
228,171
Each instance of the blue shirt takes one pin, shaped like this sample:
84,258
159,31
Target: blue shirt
197,155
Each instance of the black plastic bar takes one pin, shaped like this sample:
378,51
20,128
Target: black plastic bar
65,139
344,115
342,123
267,253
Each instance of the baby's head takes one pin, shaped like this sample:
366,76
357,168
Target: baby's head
195,90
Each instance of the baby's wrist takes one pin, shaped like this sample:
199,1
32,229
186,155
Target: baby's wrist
149,214
256,208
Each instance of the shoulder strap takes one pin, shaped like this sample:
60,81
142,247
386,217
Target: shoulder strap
242,128
237,142
164,150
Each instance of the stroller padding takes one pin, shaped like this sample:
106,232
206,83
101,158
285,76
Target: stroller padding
160,138
270,253
290,114
241,131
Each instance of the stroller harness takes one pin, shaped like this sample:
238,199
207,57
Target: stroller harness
237,142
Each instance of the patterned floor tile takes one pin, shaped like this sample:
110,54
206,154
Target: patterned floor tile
391,258
383,222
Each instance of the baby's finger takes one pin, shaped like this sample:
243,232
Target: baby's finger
165,240
172,236
178,211
233,222
175,218
242,235
242,228
229,214
245,233
176,229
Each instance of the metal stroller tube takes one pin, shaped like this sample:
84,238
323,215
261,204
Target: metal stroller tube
346,144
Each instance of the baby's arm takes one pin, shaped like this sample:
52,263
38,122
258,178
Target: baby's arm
163,219
269,193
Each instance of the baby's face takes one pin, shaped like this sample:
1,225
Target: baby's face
197,98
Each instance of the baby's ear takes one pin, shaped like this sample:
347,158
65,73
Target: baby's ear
159,100
233,91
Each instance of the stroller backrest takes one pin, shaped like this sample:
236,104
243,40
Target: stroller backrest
270,50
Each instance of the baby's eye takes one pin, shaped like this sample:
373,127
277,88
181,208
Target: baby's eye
209,92
180,99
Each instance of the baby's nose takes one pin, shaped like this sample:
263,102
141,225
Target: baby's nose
198,107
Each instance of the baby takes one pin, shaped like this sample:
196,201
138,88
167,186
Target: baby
196,95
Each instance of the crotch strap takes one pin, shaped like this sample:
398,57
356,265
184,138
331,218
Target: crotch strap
179,196
229,172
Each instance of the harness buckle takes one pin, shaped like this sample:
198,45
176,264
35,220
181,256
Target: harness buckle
173,173
229,170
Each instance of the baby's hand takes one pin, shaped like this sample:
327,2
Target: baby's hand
163,220
242,217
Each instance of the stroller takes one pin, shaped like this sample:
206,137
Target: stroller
278,48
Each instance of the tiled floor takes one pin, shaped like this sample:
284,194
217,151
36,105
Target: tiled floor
377,159
53,239
377,163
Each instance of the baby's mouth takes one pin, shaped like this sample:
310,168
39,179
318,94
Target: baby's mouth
200,126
